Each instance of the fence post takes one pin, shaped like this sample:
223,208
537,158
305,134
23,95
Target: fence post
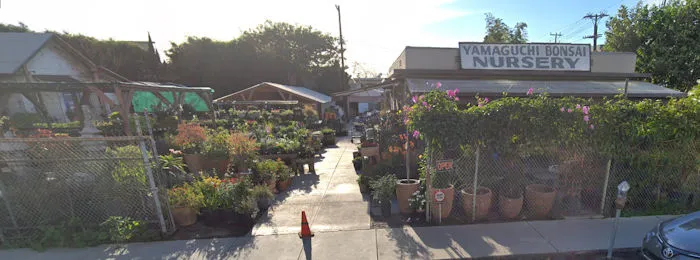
408,171
428,184
157,159
149,174
605,186
476,183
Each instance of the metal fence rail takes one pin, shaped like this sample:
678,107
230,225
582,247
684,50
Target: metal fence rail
49,181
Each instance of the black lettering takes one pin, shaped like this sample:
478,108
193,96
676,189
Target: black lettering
496,65
483,63
514,50
497,51
466,49
485,50
572,62
475,51
512,62
557,63
542,63
523,50
505,51
527,62
579,52
571,51
547,51
532,49
555,51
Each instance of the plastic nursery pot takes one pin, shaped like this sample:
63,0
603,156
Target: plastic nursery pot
483,202
510,207
539,199
404,189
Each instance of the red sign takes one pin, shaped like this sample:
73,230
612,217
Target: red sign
438,196
444,165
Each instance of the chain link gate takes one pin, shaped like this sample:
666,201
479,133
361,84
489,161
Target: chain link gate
49,181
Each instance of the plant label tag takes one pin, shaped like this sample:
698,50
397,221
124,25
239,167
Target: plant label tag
439,196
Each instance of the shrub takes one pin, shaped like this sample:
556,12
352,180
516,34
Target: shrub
262,192
383,189
266,170
218,144
129,169
190,137
185,196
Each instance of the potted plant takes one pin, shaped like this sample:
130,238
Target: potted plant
243,150
441,181
383,190
417,201
539,199
328,136
284,176
189,139
210,213
404,190
173,165
483,201
185,202
266,173
357,163
510,200
262,195
217,149
363,182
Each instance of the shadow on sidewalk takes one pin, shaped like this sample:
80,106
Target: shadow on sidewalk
182,249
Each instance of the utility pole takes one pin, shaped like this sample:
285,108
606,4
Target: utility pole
595,36
342,50
556,36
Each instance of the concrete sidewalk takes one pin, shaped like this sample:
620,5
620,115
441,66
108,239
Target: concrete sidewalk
437,242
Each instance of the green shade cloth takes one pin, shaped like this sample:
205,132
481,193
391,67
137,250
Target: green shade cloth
146,100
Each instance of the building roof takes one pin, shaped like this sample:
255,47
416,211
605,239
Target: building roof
588,88
18,48
300,91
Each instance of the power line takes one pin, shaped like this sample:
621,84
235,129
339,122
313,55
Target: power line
556,36
596,35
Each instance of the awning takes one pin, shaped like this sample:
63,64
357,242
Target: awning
588,88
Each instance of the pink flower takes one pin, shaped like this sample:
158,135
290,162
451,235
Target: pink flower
416,134
585,110
591,127
456,98
569,110
456,90
425,104
578,106
481,105
405,121
529,91
421,97
562,109
486,100
450,93
438,85
415,99
586,118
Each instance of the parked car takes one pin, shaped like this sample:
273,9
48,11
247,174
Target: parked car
677,238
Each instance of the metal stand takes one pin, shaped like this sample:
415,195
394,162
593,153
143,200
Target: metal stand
614,233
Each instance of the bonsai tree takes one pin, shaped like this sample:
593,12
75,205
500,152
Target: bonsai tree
383,190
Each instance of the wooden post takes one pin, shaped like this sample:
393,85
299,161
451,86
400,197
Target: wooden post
123,109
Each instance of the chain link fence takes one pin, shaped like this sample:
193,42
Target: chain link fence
50,181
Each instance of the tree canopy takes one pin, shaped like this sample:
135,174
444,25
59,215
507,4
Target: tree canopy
498,32
665,38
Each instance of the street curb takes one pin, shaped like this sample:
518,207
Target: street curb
587,254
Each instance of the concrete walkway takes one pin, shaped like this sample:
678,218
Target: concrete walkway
331,198
438,242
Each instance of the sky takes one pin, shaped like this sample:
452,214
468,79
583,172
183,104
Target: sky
376,31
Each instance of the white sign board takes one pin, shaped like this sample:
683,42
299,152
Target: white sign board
552,57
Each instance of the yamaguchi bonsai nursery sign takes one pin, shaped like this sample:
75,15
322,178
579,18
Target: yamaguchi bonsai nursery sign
539,56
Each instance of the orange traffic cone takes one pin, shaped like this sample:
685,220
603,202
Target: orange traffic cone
305,230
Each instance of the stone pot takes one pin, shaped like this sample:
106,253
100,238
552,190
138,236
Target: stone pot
539,199
184,216
446,204
194,162
483,202
404,189
510,207
284,185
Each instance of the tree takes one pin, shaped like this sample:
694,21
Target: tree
665,39
21,27
499,32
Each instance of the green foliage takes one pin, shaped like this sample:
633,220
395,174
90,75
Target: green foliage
218,144
25,120
129,169
327,131
262,192
383,189
73,124
4,124
499,32
266,170
123,229
664,38
170,162
186,195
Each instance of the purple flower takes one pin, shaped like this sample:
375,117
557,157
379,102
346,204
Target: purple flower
450,93
486,100
562,109
585,110
415,99
569,110
591,127
438,85
529,91
586,118
416,134
578,106
425,104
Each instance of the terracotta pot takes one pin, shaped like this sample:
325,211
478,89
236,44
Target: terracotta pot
483,202
283,185
446,204
404,189
539,199
510,207
194,162
218,164
184,216
272,184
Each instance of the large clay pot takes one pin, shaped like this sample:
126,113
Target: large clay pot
539,199
483,201
194,162
184,216
446,207
218,164
283,185
272,184
510,207
404,189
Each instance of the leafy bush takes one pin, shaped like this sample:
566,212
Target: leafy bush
185,196
190,138
129,169
218,144
327,131
25,120
384,188
262,192
266,170
123,229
